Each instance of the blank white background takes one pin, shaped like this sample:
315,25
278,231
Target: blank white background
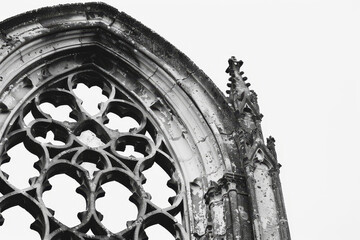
302,58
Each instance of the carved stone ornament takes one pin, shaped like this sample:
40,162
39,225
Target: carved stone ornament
183,123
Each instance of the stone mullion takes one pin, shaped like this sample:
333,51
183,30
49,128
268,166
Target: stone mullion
230,195
218,214
235,213
228,219
236,208
244,212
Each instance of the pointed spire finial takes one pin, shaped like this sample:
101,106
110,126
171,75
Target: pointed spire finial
234,65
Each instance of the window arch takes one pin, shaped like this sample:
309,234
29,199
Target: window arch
181,123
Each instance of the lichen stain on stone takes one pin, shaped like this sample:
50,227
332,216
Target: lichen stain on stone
243,213
265,198
218,218
198,206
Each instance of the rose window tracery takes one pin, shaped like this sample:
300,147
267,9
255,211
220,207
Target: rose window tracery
93,148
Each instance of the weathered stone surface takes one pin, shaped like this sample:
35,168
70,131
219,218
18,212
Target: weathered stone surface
211,146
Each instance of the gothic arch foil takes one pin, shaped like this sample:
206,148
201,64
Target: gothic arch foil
204,137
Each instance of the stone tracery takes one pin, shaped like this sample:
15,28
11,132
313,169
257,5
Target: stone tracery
101,148
205,142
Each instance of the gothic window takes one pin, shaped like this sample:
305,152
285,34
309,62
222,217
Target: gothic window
94,103
68,143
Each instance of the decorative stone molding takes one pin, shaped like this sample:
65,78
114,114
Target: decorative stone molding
205,142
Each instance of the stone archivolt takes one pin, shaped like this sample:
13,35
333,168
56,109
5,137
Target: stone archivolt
210,146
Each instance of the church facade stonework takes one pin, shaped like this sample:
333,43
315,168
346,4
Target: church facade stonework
225,177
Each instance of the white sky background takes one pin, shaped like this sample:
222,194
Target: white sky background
302,58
